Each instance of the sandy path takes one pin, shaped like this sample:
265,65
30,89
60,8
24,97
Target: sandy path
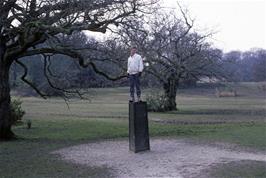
167,158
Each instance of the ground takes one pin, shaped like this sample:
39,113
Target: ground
234,125
167,158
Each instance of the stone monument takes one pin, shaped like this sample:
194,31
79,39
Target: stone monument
138,127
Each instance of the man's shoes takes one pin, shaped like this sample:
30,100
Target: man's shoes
131,99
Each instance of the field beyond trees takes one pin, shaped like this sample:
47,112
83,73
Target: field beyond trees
235,122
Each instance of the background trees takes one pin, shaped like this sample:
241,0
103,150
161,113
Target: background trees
245,66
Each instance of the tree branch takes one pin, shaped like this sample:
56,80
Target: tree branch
24,79
74,55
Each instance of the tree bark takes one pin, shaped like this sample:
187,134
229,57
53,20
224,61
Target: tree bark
14,84
5,112
170,93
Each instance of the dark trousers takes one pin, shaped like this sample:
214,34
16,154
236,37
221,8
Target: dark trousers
134,81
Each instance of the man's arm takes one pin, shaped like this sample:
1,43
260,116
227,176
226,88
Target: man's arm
128,66
141,64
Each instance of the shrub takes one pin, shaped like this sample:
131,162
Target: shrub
262,87
156,101
16,111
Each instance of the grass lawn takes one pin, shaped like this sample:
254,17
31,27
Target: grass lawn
241,169
105,117
29,156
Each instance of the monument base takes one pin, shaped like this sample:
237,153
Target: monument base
138,127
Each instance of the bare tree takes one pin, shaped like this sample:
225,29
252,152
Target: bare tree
26,24
173,51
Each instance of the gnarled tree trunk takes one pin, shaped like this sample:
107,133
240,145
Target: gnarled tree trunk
5,112
170,92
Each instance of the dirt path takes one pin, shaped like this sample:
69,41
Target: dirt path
167,158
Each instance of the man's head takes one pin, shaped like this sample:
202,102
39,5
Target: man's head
133,51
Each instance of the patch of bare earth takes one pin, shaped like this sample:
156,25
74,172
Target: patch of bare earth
168,157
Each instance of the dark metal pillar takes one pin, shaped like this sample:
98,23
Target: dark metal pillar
138,127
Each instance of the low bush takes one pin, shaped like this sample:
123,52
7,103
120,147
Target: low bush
156,101
16,111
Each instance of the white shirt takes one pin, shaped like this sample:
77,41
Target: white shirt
134,64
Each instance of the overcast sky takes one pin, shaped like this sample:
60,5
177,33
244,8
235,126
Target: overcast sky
240,24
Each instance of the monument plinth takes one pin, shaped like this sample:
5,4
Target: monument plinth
138,127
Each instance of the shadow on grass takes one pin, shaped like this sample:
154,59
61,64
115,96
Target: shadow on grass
236,169
31,158
260,112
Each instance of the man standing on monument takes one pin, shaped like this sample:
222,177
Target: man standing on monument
134,70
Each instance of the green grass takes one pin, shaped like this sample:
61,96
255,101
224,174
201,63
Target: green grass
239,169
247,135
54,126
73,129
30,155
31,158
77,130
